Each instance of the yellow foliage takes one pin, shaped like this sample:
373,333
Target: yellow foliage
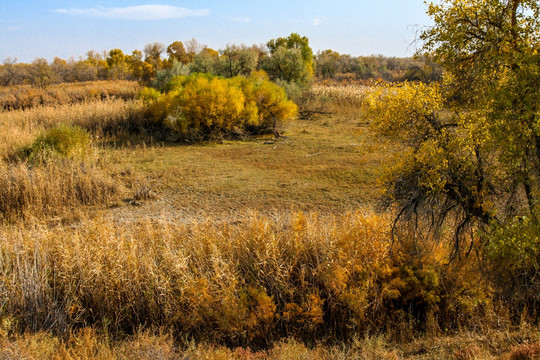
209,106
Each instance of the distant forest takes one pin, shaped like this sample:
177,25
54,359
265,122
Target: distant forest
157,63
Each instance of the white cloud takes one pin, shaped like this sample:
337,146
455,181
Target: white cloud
317,21
142,12
242,19
14,28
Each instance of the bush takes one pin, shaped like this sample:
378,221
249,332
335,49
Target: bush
202,105
64,140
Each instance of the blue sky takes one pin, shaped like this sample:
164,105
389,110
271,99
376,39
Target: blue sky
48,28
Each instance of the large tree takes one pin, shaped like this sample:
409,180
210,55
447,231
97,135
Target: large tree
290,60
474,140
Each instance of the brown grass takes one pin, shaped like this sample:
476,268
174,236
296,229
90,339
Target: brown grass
27,96
89,343
52,189
217,255
109,117
326,165
253,282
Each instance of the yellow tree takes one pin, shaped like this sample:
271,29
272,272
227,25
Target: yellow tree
474,141
117,64
177,51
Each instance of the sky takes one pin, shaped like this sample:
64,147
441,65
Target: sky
49,28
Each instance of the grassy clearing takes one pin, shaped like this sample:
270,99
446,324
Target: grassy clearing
327,165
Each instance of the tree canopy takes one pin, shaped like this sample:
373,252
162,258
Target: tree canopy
474,140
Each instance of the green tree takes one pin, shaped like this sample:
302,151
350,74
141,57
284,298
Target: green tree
237,60
206,61
327,63
295,41
286,65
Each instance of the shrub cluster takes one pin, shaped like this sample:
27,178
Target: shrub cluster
53,173
202,105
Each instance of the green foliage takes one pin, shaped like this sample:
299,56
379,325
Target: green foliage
290,60
65,141
207,61
287,65
237,60
164,76
209,106
512,251
327,63
295,41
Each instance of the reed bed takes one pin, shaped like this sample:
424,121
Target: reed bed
349,96
252,282
27,96
103,118
52,189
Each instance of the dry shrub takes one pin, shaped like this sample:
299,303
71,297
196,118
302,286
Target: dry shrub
250,283
52,189
26,96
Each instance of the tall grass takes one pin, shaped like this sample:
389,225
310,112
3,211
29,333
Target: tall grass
26,96
32,189
342,98
52,189
105,118
250,283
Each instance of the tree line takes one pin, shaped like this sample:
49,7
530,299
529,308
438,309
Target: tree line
287,59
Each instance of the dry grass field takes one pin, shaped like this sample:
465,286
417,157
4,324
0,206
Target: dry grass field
26,96
138,247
